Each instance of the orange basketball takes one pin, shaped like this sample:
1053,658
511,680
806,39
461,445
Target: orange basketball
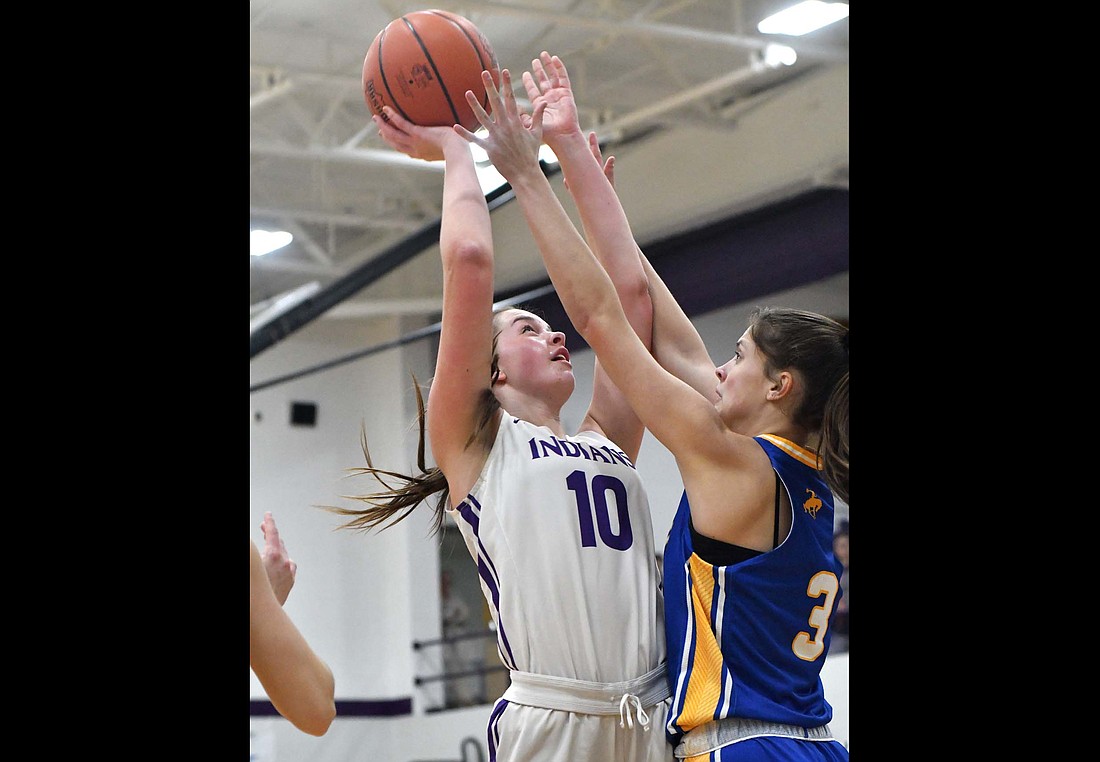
422,64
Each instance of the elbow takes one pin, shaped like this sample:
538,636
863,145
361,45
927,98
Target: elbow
594,326
318,721
468,254
316,718
635,290
639,313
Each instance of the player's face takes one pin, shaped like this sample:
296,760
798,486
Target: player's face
531,354
742,385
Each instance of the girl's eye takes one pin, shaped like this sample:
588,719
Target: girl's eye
527,328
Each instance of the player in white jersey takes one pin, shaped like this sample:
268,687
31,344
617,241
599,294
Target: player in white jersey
558,525
561,531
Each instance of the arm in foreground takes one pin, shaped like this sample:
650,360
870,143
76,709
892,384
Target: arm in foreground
465,354
298,682
582,283
676,343
608,232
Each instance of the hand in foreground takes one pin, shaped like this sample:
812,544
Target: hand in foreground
548,82
411,139
512,147
281,569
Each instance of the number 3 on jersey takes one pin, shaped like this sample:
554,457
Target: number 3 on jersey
805,646
596,501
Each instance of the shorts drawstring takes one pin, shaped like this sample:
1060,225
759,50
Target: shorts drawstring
625,719
601,699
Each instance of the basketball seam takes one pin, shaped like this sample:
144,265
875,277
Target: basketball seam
386,81
476,45
427,54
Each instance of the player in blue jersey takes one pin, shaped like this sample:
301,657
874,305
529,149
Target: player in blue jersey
558,523
761,443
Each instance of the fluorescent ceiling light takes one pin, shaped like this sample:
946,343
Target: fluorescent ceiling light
779,55
803,18
267,241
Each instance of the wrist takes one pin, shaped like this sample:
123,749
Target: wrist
559,142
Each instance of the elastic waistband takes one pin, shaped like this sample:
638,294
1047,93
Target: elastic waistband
569,695
714,735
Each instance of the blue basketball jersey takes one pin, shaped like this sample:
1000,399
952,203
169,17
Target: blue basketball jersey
749,640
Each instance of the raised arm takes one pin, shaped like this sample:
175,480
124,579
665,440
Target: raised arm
608,232
298,682
465,342
676,343
582,283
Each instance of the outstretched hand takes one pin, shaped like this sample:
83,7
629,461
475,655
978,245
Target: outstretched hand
281,569
513,138
548,82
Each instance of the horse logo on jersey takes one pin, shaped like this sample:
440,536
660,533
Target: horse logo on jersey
812,504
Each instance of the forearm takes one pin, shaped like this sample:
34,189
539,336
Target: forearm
465,217
299,684
584,286
676,342
602,215
607,229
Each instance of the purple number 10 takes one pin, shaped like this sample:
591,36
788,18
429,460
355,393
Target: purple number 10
601,485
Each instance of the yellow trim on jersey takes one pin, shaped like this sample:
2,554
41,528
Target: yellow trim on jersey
798,452
704,686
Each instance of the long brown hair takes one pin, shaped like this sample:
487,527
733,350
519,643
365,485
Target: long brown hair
396,502
817,348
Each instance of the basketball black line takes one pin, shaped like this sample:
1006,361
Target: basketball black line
385,79
431,61
476,45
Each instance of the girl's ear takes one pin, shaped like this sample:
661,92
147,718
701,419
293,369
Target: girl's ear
782,386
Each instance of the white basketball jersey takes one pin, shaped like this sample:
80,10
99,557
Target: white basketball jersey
561,532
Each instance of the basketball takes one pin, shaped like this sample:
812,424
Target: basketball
422,64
